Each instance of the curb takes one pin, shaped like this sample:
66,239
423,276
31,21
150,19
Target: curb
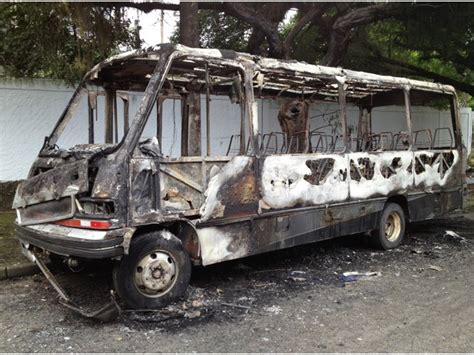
18,270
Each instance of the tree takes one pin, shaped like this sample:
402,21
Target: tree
60,40
433,41
427,41
189,30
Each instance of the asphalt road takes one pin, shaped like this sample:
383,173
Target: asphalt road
292,300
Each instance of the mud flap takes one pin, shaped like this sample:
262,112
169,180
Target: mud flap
106,313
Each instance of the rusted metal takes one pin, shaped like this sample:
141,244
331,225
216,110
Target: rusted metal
406,97
191,122
105,313
92,106
293,119
109,116
126,110
342,104
208,117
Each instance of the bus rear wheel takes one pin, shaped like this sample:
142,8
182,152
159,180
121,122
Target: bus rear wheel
156,271
391,227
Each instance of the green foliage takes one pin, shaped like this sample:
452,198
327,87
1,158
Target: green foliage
221,31
309,45
438,38
217,30
433,37
63,40
60,40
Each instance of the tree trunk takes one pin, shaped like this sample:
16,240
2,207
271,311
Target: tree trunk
189,24
344,26
255,42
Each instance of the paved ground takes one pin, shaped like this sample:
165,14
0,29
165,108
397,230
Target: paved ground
290,300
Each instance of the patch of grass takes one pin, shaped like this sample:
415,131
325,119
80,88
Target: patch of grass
9,247
7,192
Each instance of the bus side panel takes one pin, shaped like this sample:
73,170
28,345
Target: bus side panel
289,180
375,174
425,206
228,241
439,174
435,169
450,201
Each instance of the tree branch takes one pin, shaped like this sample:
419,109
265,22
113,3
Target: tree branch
260,22
311,14
340,33
150,6
460,85
255,41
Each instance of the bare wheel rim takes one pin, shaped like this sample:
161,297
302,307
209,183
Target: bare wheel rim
156,273
393,226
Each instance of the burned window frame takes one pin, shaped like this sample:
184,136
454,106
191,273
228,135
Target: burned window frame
248,67
291,89
455,129
206,90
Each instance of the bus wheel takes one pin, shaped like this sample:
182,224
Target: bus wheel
391,227
156,271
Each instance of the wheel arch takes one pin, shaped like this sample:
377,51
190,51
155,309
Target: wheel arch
402,201
183,230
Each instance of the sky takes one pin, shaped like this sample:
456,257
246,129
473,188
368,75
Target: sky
150,31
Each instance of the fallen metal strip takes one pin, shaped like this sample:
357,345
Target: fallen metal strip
106,313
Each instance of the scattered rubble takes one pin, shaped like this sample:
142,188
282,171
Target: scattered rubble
434,267
273,309
351,276
455,235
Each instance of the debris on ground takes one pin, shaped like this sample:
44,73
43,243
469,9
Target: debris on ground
240,289
297,279
235,305
455,235
434,267
273,309
352,276
295,276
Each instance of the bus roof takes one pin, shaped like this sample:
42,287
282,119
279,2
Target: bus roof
268,65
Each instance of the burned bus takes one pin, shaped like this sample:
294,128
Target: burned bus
230,155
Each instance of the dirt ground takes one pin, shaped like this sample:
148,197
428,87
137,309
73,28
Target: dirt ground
286,301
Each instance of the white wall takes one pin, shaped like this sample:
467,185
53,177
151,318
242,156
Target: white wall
30,109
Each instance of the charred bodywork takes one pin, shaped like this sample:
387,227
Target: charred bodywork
278,190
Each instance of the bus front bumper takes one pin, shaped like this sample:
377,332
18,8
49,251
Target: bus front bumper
83,243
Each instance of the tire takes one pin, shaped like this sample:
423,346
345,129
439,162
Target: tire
391,227
156,271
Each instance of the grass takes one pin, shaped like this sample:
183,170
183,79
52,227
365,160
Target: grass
9,248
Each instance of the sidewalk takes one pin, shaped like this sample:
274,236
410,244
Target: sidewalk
12,262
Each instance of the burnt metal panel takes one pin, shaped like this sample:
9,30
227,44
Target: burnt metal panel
65,180
283,229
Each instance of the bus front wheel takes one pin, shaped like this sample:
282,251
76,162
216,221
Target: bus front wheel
156,271
391,227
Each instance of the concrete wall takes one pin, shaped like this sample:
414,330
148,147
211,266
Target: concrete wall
30,108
